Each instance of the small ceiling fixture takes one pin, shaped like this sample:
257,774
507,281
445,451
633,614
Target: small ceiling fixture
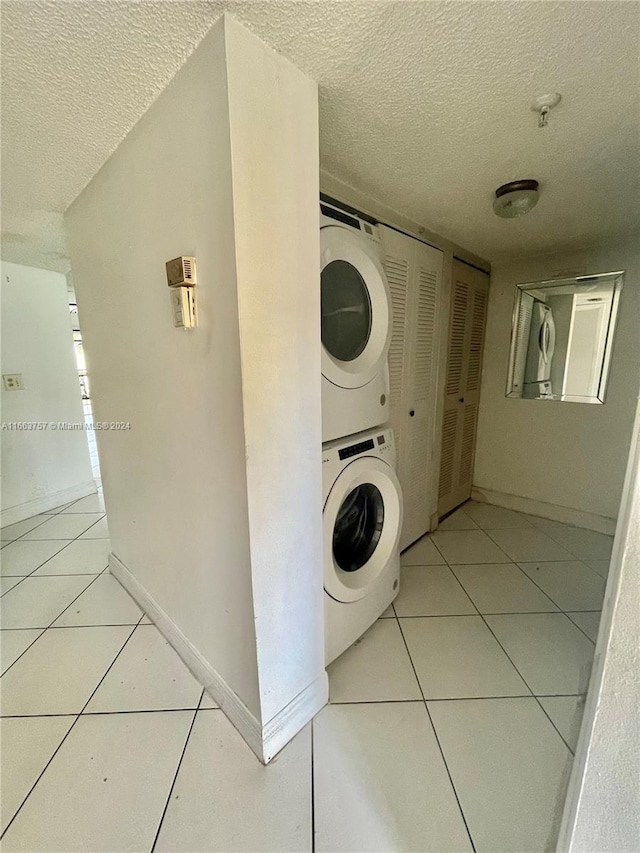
543,106
515,198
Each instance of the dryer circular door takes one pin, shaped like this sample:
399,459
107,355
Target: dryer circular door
355,306
362,519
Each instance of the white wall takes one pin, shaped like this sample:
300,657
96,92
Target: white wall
214,495
274,138
41,469
602,813
565,454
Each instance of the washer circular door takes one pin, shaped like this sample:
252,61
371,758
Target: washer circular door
362,519
356,314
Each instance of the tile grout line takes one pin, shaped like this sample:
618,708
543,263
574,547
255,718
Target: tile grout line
175,777
542,533
344,702
564,612
513,562
492,613
47,627
107,713
35,527
503,612
68,541
503,649
468,564
49,517
44,769
435,734
525,682
555,604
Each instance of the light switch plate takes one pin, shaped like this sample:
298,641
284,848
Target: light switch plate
13,382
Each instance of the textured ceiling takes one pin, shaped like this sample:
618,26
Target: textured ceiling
423,105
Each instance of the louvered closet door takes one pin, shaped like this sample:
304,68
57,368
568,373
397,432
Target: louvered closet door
469,296
414,272
399,259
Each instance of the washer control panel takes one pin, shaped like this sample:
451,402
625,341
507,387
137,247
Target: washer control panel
356,449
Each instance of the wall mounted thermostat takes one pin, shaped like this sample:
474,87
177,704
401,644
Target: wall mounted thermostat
183,307
181,278
181,272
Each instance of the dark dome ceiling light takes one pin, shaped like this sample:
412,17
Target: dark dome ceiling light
516,198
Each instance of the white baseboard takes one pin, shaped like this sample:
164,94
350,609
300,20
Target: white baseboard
565,514
265,740
13,514
286,724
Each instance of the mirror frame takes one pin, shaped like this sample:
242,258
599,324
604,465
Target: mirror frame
618,281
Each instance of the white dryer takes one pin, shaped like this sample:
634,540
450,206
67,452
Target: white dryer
356,325
362,520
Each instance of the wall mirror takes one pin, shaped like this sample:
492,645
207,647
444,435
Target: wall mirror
562,338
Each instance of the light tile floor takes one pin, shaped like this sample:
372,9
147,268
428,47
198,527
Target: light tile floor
450,727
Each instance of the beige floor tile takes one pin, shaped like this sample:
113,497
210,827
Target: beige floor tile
380,782
490,517
588,622
458,520
583,544
566,715
58,674
376,669
431,591
528,545
551,653
510,769
571,584
241,805
501,588
423,553
63,527
22,557
467,546
27,745
147,676
116,771
14,643
457,656
105,602
82,556
37,601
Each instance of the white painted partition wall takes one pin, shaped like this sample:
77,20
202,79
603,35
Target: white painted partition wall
41,468
601,810
214,494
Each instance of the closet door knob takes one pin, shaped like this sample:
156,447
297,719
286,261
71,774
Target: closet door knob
412,413
461,400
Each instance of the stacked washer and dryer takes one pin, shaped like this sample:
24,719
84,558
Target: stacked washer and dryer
362,499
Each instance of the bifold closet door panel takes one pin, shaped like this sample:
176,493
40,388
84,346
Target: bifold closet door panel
414,271
421,477
398,263
469,297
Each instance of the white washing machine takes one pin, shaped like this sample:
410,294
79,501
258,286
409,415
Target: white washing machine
362,520
356,325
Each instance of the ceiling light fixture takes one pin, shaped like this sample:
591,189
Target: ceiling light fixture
543,106
515,198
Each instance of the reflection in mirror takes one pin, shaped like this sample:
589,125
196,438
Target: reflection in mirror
562,338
